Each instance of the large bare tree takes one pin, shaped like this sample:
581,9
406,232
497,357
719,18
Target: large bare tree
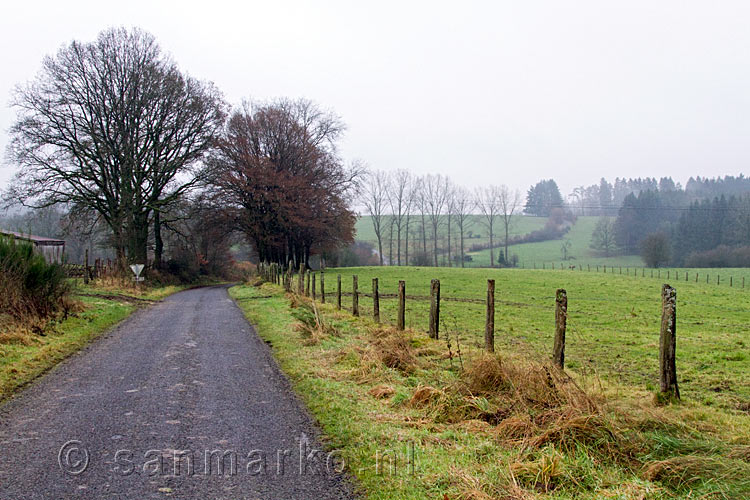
115,127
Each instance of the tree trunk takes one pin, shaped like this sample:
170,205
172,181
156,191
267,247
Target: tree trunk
158,242
406,245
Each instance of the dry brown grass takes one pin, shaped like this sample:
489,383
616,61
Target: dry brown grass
381,391
687,469
394,349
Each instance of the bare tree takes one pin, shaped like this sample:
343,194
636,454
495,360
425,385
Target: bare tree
115,127
375,200
400,200
462,207
488,203
450,210
436,191
509,202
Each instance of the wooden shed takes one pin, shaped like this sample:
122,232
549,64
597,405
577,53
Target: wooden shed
53,250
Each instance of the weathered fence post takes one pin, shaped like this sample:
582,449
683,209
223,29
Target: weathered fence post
338,292
86,269
375,301
355,296
314,279
307,283
696,277
489,325
435,309
686,275
301,279
730,281
401,320
561,318
718,279
707,278
322,287
667,342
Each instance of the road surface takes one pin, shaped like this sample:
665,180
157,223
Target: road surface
182,400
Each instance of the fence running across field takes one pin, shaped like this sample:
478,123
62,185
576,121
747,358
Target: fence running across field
305,283
643,272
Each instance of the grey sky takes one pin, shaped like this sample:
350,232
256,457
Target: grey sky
486,92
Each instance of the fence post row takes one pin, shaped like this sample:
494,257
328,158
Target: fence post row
489,327
667,342
435,309
561,316
355,296
401,305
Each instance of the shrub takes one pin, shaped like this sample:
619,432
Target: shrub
31,286
721,256
655,249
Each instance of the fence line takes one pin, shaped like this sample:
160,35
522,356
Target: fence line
667,351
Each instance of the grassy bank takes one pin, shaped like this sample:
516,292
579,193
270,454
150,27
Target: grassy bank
26,353
481,427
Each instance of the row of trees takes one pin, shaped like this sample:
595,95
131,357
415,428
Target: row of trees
114,132
432,208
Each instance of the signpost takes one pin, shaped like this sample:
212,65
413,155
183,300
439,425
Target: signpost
137,268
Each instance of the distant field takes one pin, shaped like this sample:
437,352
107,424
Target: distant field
521,225
529,254
550,251
613,324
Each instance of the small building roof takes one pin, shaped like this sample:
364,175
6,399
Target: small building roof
37,240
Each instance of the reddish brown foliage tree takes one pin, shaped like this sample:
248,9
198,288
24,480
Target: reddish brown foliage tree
279,176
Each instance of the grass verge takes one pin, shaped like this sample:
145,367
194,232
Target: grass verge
25,354
421,418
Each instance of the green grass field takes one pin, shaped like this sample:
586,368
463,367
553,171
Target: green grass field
613,321
548,252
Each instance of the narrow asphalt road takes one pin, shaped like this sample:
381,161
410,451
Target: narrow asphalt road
182,400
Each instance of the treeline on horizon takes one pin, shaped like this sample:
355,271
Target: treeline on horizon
706,223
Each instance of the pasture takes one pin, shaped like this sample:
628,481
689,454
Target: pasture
613,325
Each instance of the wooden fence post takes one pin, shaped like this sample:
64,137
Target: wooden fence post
718,279
561,317
314,279
322,287
686,275
338,292
730,281
667,342
301,279
401,305
435,309
375,301
355,296
307,283
489,325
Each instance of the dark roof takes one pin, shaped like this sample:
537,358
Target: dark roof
37,240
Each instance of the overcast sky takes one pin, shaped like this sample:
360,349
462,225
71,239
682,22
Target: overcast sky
486,92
